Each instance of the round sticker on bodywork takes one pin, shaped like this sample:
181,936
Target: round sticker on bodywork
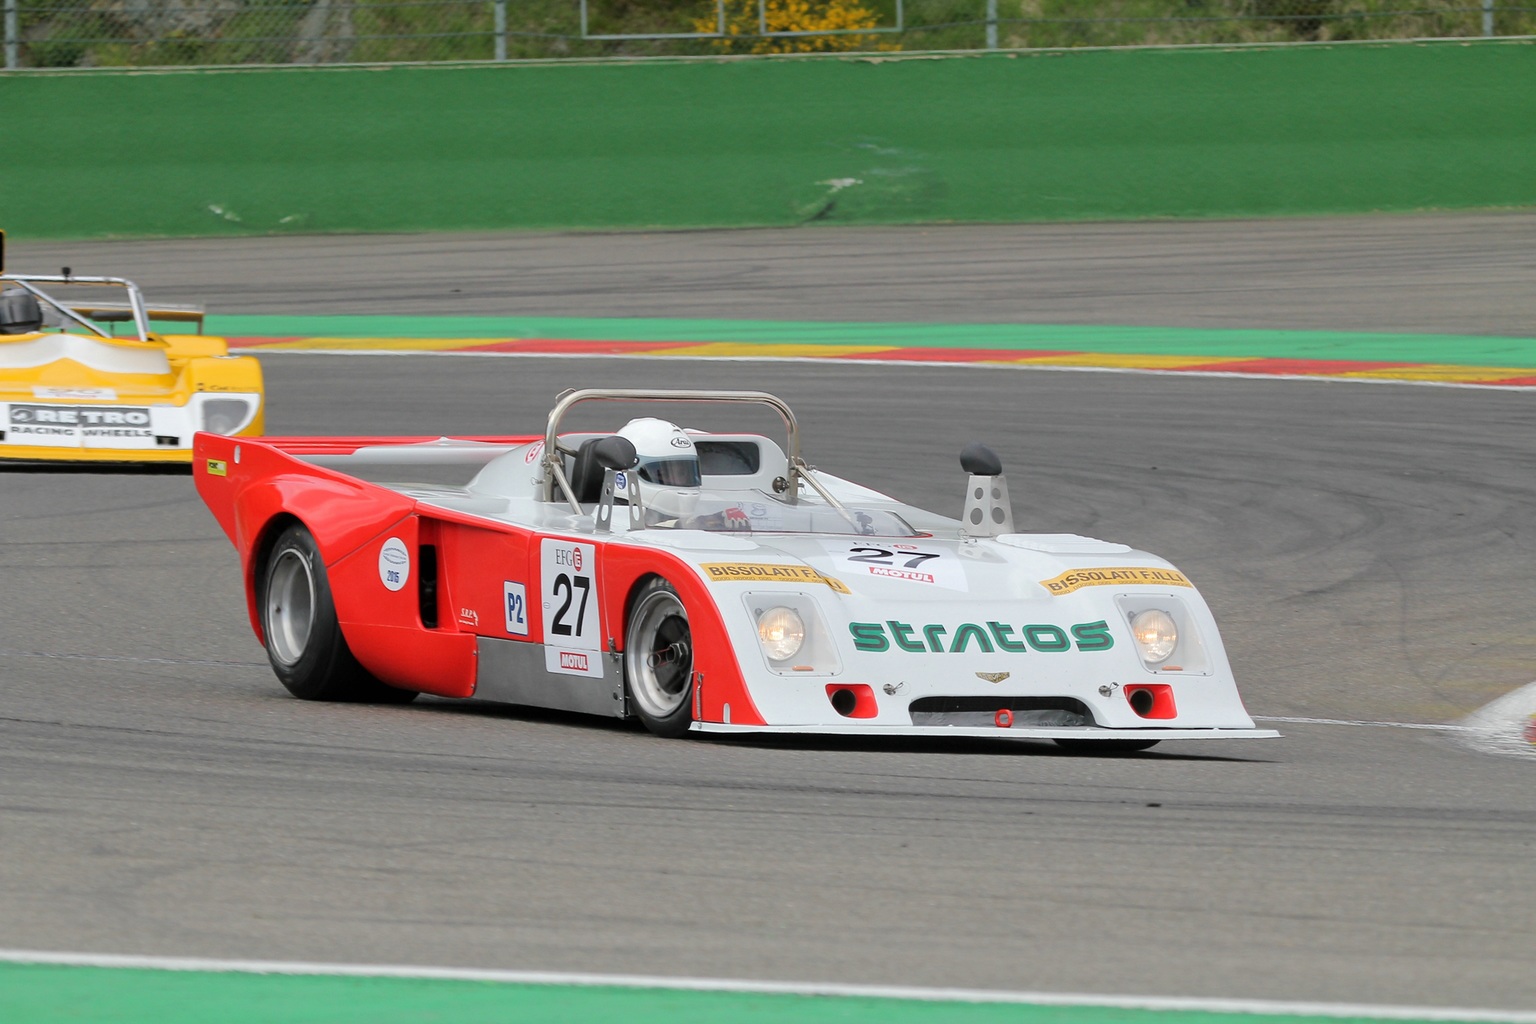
394,564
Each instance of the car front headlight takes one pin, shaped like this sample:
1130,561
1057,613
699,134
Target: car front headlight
1156,635
781,632
226,415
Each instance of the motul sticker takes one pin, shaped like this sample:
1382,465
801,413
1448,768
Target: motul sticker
574,663
1120,576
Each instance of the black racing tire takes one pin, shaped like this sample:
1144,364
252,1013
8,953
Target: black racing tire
1106,746
298,622
658,660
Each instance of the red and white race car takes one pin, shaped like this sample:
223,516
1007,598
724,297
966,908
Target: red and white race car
710,582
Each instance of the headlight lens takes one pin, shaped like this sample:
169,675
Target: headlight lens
1155,634
781,632
225,415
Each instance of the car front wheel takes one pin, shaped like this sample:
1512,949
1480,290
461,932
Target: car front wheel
658,660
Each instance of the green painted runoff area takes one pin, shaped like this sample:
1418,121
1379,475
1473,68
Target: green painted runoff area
890,138
47,994
1464,350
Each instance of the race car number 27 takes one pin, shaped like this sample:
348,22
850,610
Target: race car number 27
569,595
896,560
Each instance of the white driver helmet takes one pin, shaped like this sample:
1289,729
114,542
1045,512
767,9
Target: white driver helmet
668,467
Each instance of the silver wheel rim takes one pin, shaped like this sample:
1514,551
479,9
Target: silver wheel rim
290,610
658,659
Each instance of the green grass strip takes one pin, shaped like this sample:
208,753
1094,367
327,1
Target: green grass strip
1458,349
50,994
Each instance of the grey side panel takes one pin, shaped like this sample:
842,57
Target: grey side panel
514,672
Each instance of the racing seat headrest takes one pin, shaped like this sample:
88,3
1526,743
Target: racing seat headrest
20,312
594,456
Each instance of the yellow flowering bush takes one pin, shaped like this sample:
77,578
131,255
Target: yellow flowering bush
794,16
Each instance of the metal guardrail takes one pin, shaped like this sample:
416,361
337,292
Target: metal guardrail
140,33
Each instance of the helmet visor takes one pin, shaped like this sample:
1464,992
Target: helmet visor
670,472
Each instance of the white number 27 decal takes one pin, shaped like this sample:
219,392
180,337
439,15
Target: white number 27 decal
568,594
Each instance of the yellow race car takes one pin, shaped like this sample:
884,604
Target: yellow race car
73,391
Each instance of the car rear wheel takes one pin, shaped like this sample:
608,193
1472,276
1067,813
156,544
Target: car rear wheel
1106,746
304,641
658,660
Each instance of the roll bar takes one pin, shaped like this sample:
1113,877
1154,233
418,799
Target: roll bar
135,307
798,470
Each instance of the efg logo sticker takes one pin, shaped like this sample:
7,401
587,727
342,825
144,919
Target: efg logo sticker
394,564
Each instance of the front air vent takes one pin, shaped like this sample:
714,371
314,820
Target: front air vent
1039,712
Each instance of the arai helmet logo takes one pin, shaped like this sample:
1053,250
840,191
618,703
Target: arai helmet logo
679,441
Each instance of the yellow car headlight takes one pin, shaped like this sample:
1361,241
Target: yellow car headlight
226,415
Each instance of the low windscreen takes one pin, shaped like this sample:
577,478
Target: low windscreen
761,513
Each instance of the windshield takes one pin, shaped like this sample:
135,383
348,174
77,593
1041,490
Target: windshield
759,512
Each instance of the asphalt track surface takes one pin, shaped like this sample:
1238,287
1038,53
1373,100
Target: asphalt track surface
1367,548
1434,273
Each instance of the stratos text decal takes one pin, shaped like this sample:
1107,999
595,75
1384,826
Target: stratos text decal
1120,576
992,636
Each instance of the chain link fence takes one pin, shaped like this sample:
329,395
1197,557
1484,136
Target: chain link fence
149,33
